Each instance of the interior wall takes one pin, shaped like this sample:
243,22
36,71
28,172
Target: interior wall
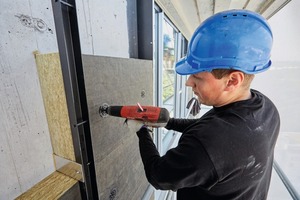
117,81
25,146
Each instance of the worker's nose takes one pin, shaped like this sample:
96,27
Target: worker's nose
189,82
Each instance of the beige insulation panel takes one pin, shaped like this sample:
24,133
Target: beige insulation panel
117,81
55,186
52,87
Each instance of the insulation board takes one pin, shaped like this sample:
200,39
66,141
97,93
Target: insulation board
117,81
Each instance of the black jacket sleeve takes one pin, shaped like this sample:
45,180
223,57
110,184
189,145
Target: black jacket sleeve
179,124
187,165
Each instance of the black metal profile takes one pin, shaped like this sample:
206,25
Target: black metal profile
145,13
66,26
289,186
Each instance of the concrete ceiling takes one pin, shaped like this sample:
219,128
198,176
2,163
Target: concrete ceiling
188,14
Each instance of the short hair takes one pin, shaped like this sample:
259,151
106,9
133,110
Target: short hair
220,73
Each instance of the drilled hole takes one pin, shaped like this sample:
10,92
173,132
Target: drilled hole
113,194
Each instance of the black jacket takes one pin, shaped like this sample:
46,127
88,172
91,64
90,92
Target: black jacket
226,154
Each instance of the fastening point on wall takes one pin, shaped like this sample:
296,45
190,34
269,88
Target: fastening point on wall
113,194
143,93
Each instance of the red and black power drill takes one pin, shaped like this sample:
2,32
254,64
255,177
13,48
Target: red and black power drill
149,115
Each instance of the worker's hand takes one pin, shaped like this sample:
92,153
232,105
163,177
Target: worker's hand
134,125
138,123
155,125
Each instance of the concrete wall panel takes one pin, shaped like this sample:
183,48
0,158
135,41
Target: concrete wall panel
25,146
117,81
103,27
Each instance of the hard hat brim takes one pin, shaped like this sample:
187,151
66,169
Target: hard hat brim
183,67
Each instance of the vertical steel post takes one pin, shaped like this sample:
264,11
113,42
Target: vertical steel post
145,14
66,26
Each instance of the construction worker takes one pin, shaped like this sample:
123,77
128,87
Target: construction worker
228,152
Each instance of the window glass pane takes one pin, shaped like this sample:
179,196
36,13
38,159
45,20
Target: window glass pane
168,66
282,85
287,155
277,190
168,77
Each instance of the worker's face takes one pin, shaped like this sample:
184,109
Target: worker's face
208,89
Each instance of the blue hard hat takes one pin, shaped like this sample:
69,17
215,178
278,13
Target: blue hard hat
234,39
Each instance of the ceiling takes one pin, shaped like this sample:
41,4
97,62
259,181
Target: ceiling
188,14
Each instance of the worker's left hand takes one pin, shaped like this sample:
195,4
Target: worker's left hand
155,125
134,125
140,123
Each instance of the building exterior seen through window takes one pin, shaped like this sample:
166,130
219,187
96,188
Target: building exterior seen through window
171,93
168,77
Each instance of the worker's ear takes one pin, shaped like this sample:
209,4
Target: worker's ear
234,80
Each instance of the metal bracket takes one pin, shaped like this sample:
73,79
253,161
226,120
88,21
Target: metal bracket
80,123
66,3
68,40
69,168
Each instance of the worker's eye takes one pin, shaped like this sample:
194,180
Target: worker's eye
196,77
